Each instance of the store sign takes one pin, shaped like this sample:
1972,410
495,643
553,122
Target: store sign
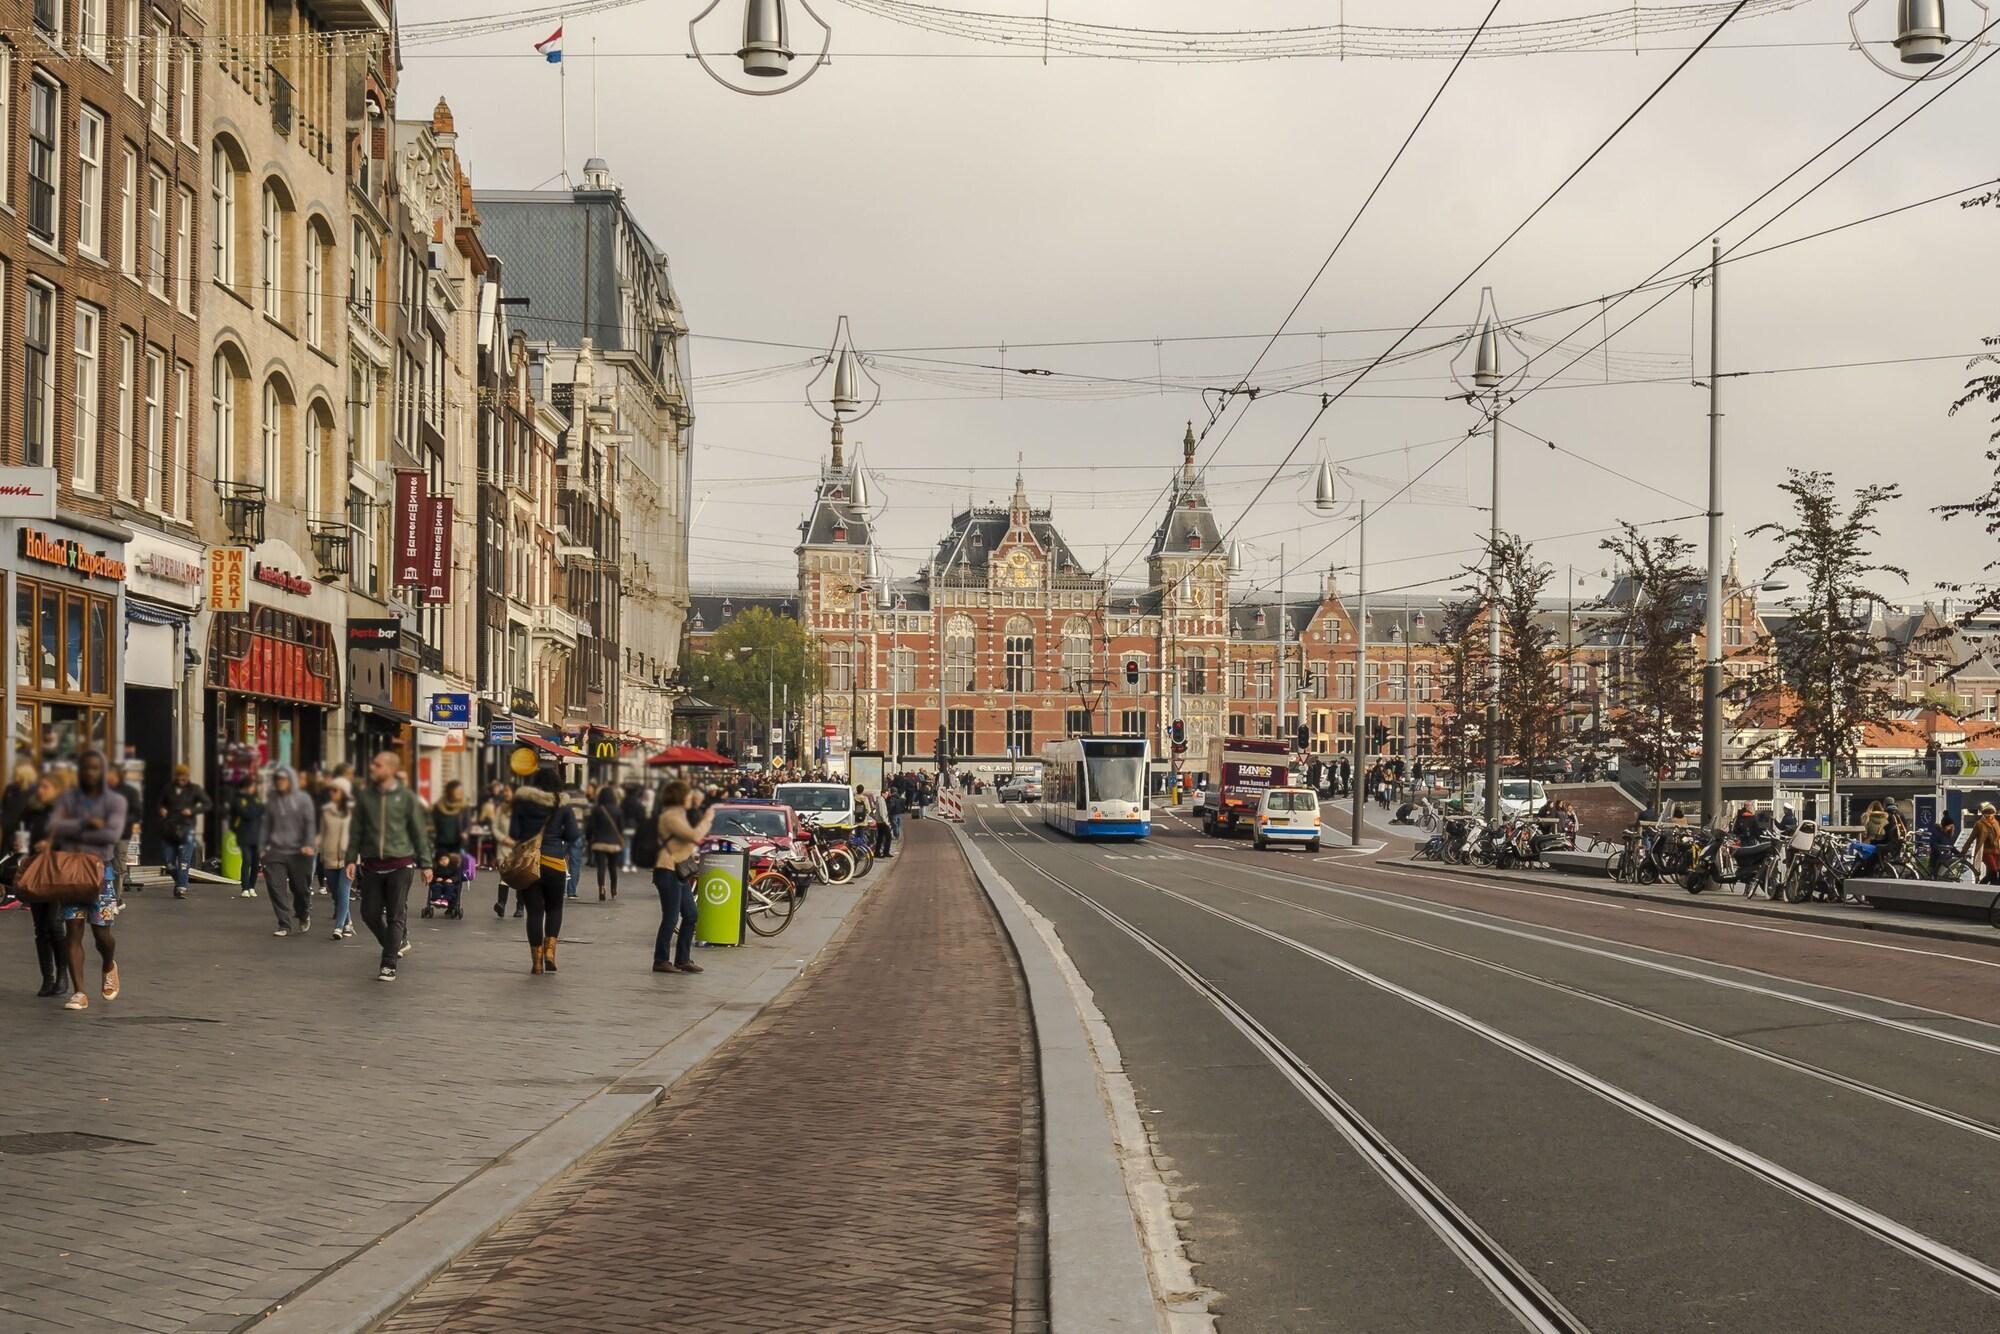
412,560
273,577
374,632
171,569
27,493
1801,769
228,579
500,732
604,750
452,710
437,549
70,555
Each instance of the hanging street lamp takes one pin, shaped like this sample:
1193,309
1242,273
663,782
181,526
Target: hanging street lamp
1922,39
766,52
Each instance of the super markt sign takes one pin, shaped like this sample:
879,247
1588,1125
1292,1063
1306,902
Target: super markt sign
71,556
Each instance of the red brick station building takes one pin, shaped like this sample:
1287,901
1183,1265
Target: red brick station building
1005,640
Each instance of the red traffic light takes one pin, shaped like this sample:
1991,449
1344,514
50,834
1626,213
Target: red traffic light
1131,671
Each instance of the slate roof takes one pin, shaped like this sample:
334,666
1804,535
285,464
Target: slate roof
966,549
831,510
709,612
1189,515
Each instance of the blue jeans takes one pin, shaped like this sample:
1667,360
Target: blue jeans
577,856
337,887
180,859
677,906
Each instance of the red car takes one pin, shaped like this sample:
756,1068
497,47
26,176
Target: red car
765,830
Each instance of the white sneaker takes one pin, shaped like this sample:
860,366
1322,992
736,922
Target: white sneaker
247,894
281,932
305,926
404,950
386,975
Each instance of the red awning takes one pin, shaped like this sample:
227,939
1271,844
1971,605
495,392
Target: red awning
695,756
551,748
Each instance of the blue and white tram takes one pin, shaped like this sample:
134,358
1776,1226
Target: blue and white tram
1095,787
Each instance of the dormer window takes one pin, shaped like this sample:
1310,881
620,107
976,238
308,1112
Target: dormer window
840,532
978,539
1260,618
1194,542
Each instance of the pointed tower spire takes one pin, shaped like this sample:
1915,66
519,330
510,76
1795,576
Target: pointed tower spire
1187,455
838,440
1018,508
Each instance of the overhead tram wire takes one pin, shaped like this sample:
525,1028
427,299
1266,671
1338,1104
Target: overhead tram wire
1328,401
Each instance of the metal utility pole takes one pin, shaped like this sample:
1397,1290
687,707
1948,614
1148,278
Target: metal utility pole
1282,622
854,675
1711,674
1493,637
1360,674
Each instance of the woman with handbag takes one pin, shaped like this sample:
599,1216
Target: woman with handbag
681,833
607,838
89,819
544,829
27,826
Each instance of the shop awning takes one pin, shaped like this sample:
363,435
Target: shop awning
551,748
694,756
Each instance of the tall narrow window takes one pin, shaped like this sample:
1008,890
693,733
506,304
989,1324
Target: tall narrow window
38,397
958,655
177,444
135,41
44,169
90,29
90,182
156,232
274,254
128,366
85,393
155,424
185,102
222,213
222,417
315,459
274,438
315,276
184,251
6,122
1020,655
163,41
128,215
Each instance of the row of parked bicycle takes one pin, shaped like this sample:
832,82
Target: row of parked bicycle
1468,839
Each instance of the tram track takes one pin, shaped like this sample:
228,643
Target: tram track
1465,1237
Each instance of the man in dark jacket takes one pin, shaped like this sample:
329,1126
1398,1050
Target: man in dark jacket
388,843
291,829
122,854
181,807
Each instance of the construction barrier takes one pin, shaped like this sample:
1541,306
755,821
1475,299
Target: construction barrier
950,806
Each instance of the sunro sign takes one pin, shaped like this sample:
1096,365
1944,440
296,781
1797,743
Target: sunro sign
71,556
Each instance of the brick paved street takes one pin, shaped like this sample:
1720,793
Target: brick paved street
269,1107
853,1160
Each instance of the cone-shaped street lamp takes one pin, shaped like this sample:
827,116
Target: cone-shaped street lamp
1235,559
846,384
858,492
1486,371
1324,495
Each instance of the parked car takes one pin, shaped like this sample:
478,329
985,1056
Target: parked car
1022,787
817,804
1518,796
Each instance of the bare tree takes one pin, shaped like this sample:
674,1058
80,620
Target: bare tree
1832,667
1655,714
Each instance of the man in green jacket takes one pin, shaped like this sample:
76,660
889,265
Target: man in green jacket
389,841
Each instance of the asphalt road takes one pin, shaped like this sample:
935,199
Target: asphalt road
1405,1101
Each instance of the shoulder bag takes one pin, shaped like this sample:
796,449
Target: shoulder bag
60,877
522,866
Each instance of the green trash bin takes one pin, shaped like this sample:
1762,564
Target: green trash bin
232,856
718,895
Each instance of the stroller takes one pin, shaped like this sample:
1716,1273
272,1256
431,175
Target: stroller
451,871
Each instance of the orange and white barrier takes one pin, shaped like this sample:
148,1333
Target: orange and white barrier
950,805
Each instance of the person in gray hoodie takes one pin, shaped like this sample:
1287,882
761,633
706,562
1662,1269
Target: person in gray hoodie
291,828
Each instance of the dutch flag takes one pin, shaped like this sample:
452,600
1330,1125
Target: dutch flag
551,47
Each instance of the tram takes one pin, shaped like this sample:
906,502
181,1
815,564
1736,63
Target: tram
1095,787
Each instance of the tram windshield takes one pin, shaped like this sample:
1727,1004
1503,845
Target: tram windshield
1117,770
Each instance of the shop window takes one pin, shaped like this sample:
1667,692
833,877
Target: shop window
64,648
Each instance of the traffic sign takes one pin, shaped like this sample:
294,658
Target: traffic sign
1802,769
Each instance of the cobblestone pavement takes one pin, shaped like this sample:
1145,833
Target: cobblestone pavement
268,1107
852,1160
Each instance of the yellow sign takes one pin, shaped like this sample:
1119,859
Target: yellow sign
229,579
524,761
606,750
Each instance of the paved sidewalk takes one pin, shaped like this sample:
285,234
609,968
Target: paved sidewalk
862,1157
267,1108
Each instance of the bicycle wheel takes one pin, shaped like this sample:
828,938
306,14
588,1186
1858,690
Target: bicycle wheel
864,859
839,866
770,898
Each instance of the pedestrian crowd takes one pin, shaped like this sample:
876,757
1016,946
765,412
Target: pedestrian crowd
72,835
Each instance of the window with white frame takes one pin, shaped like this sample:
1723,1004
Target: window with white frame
128,214
84,391
90,182
222,416
273,436
38,396
163,42
44,160
271,276
364,260
49,18
6,120
135,41
317,246
185,102
224,184
177,447
315,459
90,29
128,366
184,250
155,424
156,232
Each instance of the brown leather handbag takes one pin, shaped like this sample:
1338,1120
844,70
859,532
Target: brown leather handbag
60,877
522,868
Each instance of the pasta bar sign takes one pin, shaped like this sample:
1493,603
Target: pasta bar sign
70,555
413,557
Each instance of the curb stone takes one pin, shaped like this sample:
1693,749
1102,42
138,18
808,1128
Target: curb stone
1100,1199
373,1283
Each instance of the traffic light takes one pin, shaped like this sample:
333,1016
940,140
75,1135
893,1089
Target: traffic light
1303,739
1131,671
1179,732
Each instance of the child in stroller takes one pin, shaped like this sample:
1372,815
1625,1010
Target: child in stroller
450,819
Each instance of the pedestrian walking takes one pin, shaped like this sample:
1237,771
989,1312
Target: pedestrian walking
681,831
540,812
579,853
607,839
336,820
634,815
1944,838
896,802
389,843
450,821
181,807
1986,843
14,802
287,852
246,821
89,818
498,813
25,811
126,853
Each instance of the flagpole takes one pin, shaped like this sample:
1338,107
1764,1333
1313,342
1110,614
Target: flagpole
562,97
593,95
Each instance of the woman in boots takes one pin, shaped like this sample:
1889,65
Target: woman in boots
607,839
28,832
539,809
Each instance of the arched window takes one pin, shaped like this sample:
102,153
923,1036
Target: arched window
1020,655
319,268
278,437
226,195
277,244
319,479
228,419
1075,651
958,655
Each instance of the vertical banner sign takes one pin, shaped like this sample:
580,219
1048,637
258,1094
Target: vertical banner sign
228,574
411,561
437,549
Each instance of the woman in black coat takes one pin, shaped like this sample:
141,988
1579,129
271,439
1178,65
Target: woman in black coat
538,809
607,839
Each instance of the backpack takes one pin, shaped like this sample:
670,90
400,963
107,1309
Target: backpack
646,843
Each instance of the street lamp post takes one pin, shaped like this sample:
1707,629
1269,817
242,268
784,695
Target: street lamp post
1921,39
1711,671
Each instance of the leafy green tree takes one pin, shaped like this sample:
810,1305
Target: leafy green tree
1655,690
755,658
1463,682
1535,699
1833,668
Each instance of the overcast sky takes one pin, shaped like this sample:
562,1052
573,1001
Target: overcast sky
969,202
